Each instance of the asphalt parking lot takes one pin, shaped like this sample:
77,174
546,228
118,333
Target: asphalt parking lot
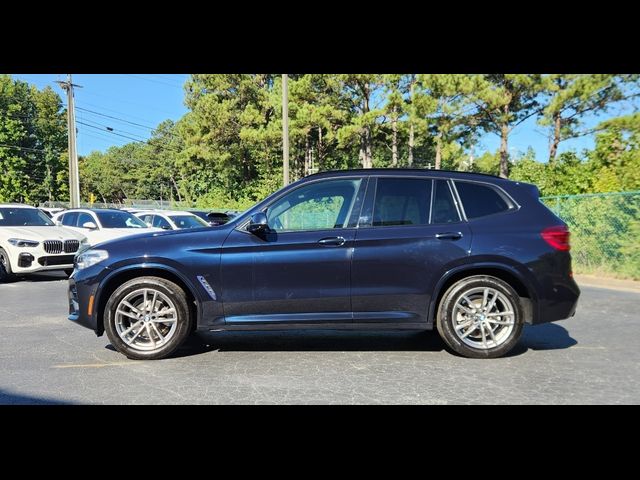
592,358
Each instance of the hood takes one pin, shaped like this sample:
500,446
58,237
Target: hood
107,234
40,233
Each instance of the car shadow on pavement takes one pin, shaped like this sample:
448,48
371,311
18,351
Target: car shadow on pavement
547,336
9,398
40,277
310,341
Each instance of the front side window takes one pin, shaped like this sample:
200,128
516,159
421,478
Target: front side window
119,219
320,206
83,218
160,222
69,219
402,201
480,200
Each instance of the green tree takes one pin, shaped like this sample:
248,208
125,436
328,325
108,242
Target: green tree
32,143
360,91
505,101
443,100
569,97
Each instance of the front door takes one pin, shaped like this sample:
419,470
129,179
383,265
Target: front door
299,270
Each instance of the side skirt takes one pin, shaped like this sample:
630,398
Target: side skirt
323,326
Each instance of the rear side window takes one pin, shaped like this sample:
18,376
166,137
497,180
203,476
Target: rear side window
443,209
480,200
402,201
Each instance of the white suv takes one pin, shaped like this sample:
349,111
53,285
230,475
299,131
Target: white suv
171,219
30,242
102,224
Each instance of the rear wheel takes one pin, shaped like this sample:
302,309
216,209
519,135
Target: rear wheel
480,317
5,267
147,318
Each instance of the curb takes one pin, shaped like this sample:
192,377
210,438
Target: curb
609,283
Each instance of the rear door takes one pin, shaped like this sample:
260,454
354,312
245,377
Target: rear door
410,233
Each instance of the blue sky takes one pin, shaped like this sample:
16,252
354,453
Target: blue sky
148,99
143,99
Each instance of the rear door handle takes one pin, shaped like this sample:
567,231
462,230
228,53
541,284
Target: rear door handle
449,236
332,241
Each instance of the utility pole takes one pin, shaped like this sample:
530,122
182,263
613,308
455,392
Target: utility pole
285,129
74,179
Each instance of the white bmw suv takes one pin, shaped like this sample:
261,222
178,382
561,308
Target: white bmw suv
102,224
30,242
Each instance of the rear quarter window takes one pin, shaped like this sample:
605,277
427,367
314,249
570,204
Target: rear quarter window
481,200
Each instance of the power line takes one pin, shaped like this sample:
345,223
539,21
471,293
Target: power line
114,111
151,80
129,102
29,149
111,129
113,133
115,118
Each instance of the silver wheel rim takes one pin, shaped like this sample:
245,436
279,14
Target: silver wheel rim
483,318
146,319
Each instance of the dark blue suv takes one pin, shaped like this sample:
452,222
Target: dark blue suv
474,255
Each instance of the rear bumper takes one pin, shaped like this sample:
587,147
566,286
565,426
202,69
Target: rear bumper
559,302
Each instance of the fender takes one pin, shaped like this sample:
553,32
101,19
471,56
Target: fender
512,270
156,266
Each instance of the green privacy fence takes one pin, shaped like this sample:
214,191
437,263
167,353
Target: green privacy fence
605,231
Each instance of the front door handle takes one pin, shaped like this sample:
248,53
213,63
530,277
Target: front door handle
449,236
332,241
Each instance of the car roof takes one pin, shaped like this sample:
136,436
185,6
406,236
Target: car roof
455,174
163,212
95,210
15,205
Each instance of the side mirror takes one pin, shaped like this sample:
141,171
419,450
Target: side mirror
258,223
90,225
166,227
58,223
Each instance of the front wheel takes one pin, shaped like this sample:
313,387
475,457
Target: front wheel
5,266
480,317
147,318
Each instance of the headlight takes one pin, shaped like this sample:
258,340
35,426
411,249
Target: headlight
19,242
90,258
84,246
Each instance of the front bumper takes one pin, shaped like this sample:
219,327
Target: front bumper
79,295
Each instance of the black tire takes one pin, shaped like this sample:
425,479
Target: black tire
6,273
174,293
446,319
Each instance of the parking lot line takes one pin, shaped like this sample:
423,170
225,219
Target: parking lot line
94,365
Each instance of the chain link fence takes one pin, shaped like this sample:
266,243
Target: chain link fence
128,203
605,228
605,231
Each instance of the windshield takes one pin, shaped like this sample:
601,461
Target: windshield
119,220
188,221
23,217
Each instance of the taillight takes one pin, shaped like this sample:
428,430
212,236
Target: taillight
557,237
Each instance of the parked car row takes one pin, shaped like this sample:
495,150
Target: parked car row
42,239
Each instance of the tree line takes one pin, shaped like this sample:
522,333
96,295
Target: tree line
226,151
